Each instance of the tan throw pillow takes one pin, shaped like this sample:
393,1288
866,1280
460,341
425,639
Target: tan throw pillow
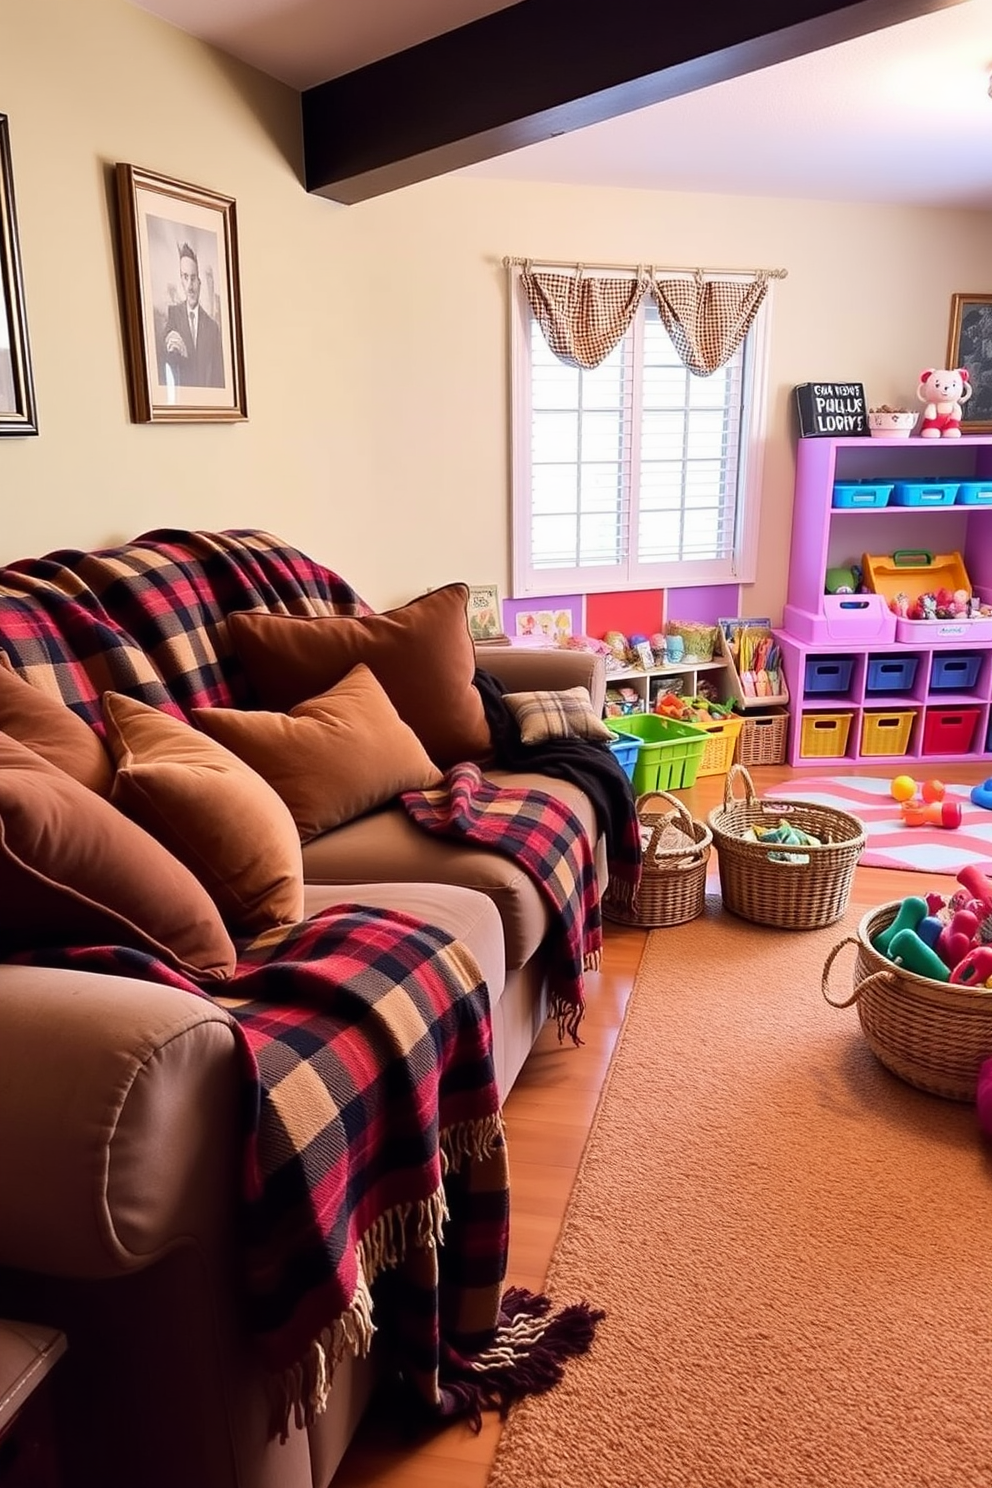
50,727
75,872
209,809
567,714
331,758
422,654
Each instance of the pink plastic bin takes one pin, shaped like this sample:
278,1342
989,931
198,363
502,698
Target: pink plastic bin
845,617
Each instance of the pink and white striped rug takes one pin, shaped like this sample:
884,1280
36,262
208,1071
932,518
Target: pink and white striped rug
890,843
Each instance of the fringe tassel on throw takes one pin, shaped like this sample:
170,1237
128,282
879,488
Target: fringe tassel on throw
568,1015
474,1140
301,1391
527,1356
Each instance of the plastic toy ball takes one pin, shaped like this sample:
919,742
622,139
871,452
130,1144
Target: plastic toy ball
903,788
933,790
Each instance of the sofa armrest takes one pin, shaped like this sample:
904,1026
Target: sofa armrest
533,668
119,1109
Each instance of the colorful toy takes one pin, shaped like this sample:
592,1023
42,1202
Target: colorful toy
933,790
903,788
943,392
975,970
932,814
911,911
981,795
946,940
910,951
930,929
978,886
957,938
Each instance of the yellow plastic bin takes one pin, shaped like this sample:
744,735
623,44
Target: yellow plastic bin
824,735
888,732
718,756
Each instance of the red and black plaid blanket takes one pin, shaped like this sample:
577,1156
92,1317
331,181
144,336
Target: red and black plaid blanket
149,618
389,1168
547,839
381,1018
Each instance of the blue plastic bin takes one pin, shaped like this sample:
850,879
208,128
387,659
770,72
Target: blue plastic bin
828,674
626,747
955,671
974,493
862,493
891,674
924,493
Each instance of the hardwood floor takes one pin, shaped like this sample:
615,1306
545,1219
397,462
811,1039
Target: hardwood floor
548,1113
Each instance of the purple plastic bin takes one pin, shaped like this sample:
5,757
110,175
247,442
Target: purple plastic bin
845,617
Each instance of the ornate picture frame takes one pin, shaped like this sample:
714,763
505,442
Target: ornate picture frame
17,408
969,345
182,300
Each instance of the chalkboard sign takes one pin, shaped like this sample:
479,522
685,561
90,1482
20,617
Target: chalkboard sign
831,408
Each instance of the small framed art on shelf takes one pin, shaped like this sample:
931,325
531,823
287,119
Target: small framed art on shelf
485,618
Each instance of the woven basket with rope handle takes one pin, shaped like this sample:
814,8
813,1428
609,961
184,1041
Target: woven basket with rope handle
673,878
934,1035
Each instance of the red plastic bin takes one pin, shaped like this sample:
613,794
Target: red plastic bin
949,730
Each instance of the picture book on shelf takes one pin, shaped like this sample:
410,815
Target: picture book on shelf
756,655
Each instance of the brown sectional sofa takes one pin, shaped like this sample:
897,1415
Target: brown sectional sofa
119,1099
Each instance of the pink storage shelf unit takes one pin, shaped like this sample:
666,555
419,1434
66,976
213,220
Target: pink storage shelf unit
920,658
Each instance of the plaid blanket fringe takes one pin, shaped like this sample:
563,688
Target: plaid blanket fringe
545,838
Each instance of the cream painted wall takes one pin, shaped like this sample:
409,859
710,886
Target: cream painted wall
376,335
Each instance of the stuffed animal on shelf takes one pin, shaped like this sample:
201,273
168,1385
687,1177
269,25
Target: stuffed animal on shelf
943,392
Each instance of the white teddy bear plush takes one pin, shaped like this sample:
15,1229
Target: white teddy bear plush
943,392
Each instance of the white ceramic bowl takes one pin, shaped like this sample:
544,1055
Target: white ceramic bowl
892,425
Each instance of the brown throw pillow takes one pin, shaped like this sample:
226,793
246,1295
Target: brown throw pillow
209,809
75,872
50,727
567,714
422,654
331,758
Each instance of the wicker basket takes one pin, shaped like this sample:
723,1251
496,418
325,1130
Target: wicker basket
673,880
798,890
933,1035
763,739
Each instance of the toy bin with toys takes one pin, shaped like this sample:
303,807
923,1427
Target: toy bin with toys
922,980
929,593
670,752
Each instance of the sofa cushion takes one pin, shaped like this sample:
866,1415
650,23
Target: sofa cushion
421,653
46,725
386,845
566,714
208,808
332,758
75,872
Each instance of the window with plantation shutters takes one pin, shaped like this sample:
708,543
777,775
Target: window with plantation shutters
635,472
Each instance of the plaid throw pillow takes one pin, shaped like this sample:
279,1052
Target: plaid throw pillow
556,715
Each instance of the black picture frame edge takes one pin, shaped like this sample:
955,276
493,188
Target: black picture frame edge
956,358
22,420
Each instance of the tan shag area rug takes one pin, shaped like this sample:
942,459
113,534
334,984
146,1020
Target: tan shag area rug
793,1247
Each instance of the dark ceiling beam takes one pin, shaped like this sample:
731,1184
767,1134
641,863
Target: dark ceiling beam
545,67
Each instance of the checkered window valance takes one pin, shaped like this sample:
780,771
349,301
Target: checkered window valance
584,316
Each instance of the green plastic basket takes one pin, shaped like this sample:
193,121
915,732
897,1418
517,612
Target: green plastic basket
670,754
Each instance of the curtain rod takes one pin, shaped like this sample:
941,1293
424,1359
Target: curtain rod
550,263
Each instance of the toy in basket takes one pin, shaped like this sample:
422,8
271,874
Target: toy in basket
675,850
933,1034
764,882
